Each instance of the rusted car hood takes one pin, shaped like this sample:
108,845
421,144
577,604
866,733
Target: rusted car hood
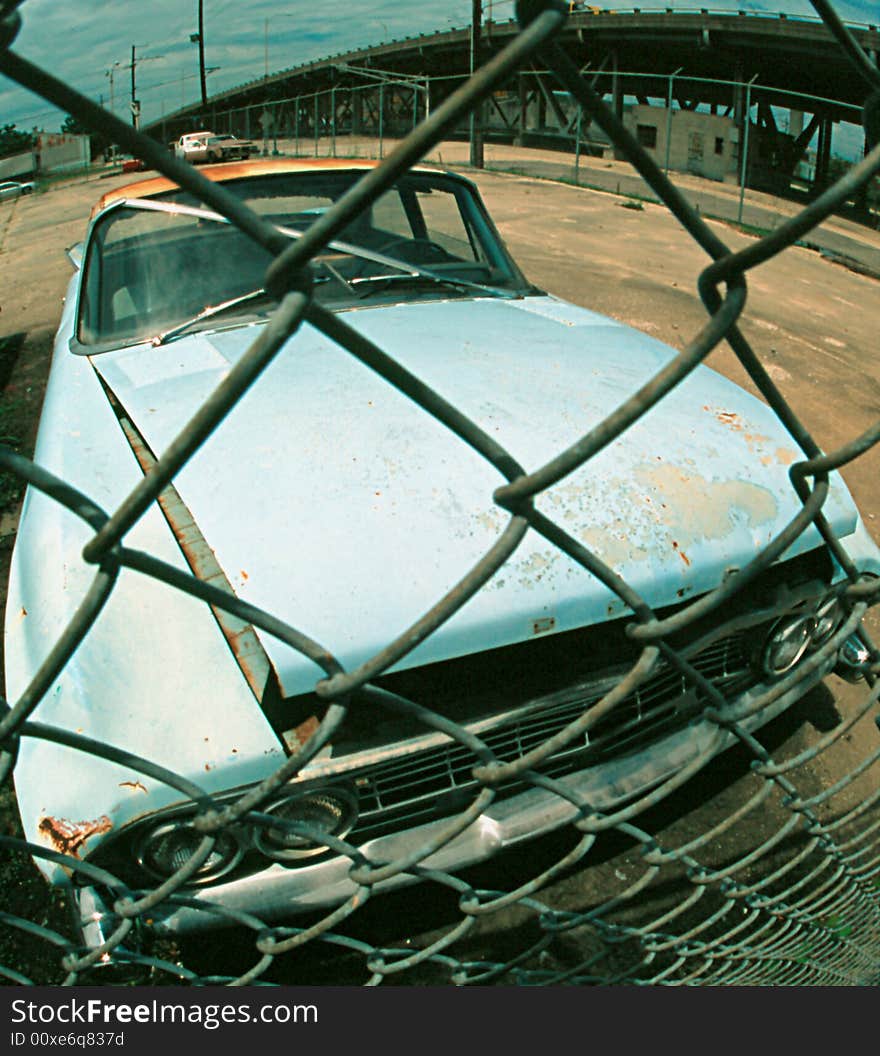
333,502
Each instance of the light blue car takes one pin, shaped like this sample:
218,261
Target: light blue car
329,499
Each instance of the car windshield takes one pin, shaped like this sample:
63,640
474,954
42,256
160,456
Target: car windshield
154,266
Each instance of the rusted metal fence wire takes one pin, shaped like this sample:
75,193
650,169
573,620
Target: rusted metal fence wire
798,902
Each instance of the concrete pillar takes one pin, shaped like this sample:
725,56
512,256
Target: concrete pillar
823,153
523,89
616,100
357,111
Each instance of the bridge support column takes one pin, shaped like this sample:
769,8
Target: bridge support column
523,92
616,100
823,154
357,111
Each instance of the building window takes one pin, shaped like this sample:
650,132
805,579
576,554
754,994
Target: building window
719,144
646,135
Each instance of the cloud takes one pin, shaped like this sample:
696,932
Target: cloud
80,41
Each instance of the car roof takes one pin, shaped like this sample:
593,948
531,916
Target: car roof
232,170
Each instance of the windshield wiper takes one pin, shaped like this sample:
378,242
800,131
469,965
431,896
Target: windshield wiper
423,275
207,313
406,271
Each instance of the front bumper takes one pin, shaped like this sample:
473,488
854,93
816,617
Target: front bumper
278,893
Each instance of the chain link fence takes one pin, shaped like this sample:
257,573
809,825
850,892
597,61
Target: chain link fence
782,888
737,141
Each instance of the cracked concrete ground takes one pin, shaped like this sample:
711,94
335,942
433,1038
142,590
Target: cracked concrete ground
812,322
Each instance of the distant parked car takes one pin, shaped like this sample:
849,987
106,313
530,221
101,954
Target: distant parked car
192,146
14,189
228,148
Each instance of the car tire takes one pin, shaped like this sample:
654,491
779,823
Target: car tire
26,190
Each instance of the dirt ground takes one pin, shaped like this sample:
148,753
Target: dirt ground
812,322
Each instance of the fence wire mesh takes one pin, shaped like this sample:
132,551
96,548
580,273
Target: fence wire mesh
781,889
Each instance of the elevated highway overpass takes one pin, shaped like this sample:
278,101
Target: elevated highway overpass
728,63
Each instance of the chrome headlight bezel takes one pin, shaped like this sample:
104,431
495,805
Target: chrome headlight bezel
793,633
223,858
800,632
310,804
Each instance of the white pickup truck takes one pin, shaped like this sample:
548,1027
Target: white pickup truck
192,146
202,146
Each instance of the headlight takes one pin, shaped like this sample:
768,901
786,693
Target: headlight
331,809
788,642
169,846
793,636
827,619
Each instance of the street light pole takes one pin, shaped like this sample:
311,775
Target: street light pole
110,73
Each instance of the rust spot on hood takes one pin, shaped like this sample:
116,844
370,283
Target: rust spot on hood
681,553
730,418
68,837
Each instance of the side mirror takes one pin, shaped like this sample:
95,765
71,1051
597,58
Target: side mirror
75,255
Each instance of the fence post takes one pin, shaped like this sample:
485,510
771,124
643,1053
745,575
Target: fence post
743,161
669,119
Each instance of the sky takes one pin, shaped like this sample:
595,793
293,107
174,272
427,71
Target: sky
89,42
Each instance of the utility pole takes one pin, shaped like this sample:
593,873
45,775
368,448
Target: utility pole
135,102
135,105
477,112
202,54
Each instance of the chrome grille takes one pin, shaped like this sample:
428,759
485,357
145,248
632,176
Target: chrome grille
421,786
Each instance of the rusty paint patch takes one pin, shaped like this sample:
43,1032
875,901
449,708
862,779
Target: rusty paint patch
707,507
135,786
733,421
68,837
232,170
297,737
681,553
543,624
730,418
